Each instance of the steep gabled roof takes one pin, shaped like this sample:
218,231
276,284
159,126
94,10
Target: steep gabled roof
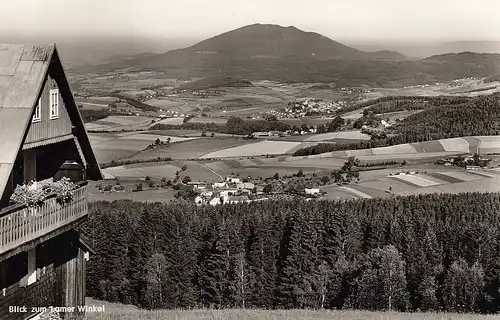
23,71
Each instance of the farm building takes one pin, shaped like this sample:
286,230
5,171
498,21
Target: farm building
261,134
245,185
236,199
219,185
197,185
472,167
43,140
199,201
229,192
312,191
215,201
233,180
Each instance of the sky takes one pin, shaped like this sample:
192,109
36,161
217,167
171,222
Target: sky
352,20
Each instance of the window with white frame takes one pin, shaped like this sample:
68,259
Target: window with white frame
37,116
54,104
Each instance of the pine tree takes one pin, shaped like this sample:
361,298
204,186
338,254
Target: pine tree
213,278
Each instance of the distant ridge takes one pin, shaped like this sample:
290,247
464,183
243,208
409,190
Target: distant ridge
273,52
256,41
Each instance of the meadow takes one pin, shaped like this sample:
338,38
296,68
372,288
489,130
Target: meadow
116,311
255,149
117,123
213,158
148,195
126,145
348,135
191,149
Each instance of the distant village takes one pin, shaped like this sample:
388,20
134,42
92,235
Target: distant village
235,190
309,107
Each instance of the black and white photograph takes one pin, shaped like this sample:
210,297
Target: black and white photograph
249,160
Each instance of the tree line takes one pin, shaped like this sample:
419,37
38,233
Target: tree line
427,252
234,125
476,116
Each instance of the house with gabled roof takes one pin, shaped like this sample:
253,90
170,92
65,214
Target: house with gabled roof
42,138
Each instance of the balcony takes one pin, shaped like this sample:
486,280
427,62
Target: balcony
21,225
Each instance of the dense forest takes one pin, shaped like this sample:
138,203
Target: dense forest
91,115
460,117
396,101
428,252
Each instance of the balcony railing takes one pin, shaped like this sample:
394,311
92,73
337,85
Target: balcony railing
20,224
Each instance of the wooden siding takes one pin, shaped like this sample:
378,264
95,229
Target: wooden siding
47,128
60,270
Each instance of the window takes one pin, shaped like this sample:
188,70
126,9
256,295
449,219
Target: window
37,116
54,104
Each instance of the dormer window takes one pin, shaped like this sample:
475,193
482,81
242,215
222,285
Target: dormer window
37,116
54,104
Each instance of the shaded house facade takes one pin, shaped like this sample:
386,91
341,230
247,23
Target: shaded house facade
42,138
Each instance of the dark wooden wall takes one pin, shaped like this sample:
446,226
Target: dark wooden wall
46,128
60,278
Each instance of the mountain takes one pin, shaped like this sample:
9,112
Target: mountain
257,42
273,41
272,52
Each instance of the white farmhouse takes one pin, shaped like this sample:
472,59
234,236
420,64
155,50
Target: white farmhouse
215,201
312,191
233,180
245,185
199,201
219,185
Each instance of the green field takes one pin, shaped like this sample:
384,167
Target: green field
148,195
191,149
115,311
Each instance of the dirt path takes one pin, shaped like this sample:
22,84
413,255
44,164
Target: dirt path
204,166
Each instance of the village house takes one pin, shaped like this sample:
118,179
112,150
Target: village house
245,185
260,134
197,185
199,200
472,167
233,180
236,199
215,201
228,192
219,185
43,139
312,191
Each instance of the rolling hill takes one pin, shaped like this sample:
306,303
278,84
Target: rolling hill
272,52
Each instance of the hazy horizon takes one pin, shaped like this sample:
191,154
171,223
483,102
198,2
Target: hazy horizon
352,21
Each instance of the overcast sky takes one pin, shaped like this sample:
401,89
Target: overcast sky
199,19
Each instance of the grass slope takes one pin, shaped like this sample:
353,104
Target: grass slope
115,311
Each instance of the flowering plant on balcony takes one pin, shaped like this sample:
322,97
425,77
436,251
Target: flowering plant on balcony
33,194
